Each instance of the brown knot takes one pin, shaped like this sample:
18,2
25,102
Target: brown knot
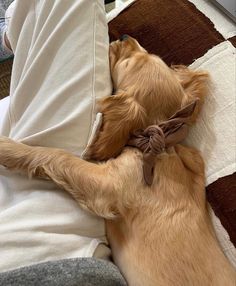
152,139
157,138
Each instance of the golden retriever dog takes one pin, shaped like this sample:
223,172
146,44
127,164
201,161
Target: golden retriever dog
160,233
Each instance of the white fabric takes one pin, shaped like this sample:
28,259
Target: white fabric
61,68
223,238
221,21
8,15
215,132
96,127
120,2
120,6
4,104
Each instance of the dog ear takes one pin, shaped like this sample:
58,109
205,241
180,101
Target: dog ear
122,115
195,85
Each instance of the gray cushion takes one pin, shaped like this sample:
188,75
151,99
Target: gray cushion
67,272
3,6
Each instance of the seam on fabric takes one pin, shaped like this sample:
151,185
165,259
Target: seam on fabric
93,246
93,74
10,112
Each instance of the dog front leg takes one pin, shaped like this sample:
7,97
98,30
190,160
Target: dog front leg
92,185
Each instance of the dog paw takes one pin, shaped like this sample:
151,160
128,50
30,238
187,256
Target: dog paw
5,142
7,150
4,139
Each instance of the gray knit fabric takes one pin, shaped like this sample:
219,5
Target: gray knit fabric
4,53
67,272
3,6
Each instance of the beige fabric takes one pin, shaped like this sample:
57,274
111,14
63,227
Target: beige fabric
60,69
223,238
120,6
215,132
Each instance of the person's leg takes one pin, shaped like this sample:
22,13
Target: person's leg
60,69
65,55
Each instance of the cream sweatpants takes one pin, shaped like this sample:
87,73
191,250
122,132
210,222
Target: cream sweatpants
61,68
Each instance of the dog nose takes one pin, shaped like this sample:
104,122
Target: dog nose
124,37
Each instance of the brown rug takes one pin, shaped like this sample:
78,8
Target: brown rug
5,77
222,196
173,29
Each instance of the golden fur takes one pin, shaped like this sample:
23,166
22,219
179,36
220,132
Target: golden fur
159,235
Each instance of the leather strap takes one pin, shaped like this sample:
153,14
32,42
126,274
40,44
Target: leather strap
155,139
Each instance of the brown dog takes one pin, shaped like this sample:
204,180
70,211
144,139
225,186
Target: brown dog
159,234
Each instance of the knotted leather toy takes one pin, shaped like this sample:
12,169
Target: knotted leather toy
156,139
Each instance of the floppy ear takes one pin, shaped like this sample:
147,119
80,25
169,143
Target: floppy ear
195,85
122,114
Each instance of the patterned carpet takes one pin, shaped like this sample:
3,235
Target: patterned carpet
5,77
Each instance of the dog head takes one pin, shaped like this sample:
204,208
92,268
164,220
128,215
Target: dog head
146,92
